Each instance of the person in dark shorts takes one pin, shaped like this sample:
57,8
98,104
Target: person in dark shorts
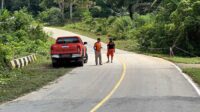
111,50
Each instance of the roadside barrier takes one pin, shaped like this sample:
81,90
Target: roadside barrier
24,61
171,50
186,52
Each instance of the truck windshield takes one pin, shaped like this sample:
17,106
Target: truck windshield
68,40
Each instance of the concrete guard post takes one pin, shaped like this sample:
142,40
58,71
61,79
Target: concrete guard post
21,62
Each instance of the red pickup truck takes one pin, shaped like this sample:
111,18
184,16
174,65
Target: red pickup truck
69,49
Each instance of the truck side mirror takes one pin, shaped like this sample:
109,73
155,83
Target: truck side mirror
85,43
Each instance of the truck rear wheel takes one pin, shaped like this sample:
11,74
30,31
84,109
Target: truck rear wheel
81,63
54,63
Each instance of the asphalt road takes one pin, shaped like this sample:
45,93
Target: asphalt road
133,83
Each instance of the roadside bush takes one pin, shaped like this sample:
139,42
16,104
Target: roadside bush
96,11
100,26
22,37
120,28
36,33
145,36
22,19
7,24
87,18
110,20
52,16
4,55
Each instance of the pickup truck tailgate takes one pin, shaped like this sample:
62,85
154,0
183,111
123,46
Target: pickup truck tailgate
65,49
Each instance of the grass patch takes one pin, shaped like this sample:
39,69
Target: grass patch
185,60
194,73
17,82
178,59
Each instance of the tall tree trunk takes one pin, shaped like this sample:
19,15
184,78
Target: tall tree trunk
130,10
29,5
2,4
61,4
63,12
71,10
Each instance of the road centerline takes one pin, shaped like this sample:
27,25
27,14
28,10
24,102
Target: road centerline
105,99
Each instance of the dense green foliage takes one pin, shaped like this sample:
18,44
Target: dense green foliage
32,5
74,9
152,23
120,28
175,25
52,16
20,35
101,9
172,24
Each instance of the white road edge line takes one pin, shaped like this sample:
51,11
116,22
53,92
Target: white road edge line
194,85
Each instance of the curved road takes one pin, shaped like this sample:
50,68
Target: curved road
133,83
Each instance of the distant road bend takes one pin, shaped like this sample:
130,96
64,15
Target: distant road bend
133,83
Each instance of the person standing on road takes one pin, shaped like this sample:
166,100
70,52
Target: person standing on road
111,50
97,48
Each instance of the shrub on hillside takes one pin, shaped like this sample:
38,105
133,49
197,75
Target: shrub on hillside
96,11
52,16
120,27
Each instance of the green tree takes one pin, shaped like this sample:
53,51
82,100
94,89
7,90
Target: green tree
52,16
102,8
31,5
132,5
